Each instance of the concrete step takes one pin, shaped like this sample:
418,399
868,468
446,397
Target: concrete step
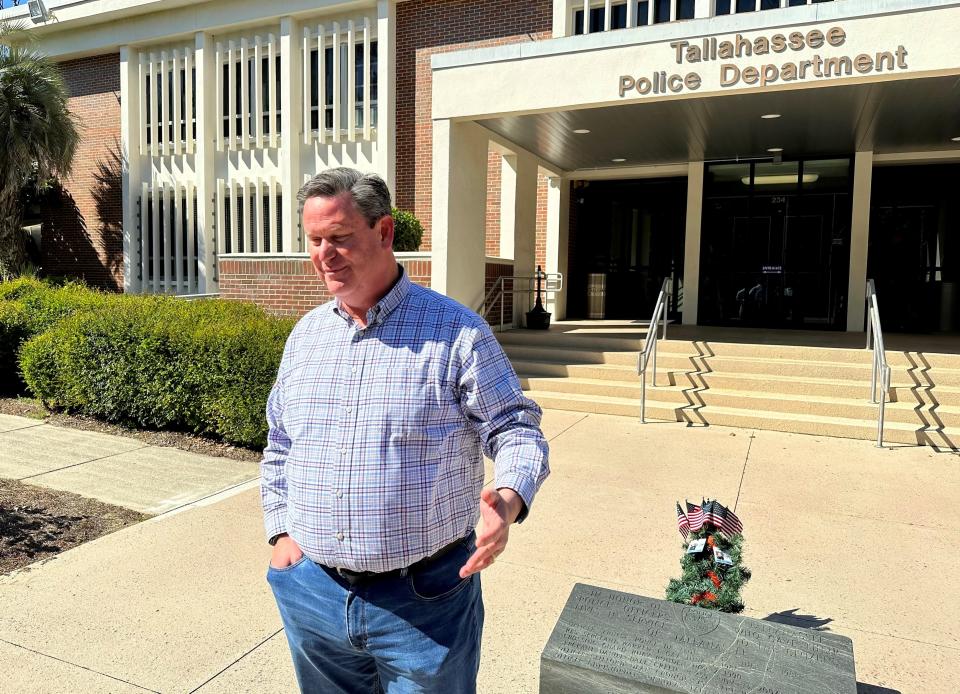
604,372
919,361
840,371
570,356
858,372
789,385
844,427
600,343
920,408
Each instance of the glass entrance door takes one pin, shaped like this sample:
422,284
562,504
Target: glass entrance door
630,233
915,215
775,244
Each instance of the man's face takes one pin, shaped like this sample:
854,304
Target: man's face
351,257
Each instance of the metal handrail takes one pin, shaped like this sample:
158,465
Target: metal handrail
881,369
649,352
498,292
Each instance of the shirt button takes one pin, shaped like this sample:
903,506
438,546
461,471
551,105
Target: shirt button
347,409
340,536
343,451
353,370
339,494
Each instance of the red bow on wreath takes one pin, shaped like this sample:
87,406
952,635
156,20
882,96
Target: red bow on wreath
714,578
706,597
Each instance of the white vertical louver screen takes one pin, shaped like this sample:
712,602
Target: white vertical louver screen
248,216
339,82
248,93
168,238
168,115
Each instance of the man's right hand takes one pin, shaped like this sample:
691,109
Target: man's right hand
285,552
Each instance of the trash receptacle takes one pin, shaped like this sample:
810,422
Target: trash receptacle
597,295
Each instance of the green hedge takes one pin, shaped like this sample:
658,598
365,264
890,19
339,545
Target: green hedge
28,307
156,362
13,332
148,361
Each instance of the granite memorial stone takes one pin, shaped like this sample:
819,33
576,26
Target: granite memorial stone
612,642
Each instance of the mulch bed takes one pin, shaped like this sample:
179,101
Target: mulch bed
37,523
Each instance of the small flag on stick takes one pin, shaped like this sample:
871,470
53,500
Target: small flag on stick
731,524
713,512
694,516
683,525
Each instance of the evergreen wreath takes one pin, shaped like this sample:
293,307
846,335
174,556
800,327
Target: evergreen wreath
713,574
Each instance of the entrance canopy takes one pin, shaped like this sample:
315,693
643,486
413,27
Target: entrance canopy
838,85
916,115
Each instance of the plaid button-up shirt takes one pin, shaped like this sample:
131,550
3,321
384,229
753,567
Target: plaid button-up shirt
373,459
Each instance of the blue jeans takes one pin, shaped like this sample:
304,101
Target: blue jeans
419,632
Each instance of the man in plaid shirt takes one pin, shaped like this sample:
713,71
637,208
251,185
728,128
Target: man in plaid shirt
372,478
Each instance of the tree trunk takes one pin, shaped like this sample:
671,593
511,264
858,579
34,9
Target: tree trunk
13,240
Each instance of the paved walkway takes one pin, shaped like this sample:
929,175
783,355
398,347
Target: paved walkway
839,535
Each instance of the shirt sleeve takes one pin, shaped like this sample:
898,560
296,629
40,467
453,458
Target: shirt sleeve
507,421
273,481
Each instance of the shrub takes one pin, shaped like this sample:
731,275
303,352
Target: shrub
408,231
13,332
27,308
159,362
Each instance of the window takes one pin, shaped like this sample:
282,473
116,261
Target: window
176,124
269,96
686,9
328,86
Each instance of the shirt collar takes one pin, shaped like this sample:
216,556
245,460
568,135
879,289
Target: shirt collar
383,308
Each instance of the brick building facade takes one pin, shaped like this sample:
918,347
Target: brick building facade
82,232
428,27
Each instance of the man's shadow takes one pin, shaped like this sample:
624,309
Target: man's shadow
795,618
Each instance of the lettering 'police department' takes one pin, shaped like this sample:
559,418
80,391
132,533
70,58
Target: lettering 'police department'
710,49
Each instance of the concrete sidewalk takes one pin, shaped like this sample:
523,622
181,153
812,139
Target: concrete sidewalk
115,469
839,535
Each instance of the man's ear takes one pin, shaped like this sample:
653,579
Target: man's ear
386,231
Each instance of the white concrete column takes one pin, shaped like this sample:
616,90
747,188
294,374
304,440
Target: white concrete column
508,199
524,228
705,8
205,60
291,130
459,211
129,154
558,240
560,18
386,147
859,236
691,242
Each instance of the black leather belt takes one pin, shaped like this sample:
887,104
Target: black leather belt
357,577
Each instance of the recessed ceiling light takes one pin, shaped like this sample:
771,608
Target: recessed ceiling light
956,139
581,131
770,116
618,160
775,149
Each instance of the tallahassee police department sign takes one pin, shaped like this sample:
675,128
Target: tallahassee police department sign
711,50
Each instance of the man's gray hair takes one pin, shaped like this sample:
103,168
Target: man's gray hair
369,192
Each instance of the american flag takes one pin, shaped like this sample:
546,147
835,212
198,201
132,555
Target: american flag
713,512
731,524
694,516
683,525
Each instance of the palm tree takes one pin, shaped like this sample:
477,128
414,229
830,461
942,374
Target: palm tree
38,135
